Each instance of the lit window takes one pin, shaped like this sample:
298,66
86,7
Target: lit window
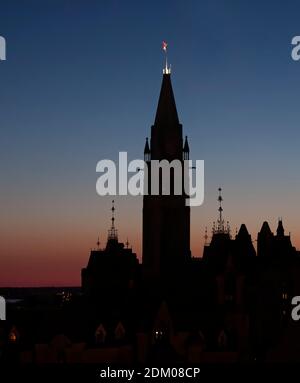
159,334
13,335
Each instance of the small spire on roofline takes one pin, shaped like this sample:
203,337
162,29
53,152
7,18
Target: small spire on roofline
113,232
205,237
98,244
220,227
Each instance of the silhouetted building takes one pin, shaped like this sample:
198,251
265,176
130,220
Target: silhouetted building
113,268
274,246
223,248
229,305
166,218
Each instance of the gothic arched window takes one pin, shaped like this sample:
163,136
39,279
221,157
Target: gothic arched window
120,331
100,334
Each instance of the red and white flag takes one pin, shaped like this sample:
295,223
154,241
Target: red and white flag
164,46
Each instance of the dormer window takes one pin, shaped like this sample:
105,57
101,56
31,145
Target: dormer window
100,334
120,331
222,340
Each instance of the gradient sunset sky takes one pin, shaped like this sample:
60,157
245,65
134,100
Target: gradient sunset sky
81,83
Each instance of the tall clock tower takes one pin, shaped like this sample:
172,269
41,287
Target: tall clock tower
166,218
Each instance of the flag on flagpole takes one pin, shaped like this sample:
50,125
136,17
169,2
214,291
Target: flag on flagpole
164,46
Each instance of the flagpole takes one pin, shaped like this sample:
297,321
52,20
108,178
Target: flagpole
166,70
166,61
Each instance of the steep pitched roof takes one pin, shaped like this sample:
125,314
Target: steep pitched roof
166,113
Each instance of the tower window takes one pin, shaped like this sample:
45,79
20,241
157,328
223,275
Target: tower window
284,296
161,332
159,335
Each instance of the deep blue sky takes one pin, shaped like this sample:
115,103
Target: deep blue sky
81,83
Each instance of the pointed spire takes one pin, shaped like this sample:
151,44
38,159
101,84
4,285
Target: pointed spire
243,232
265,240
166,113
220,227
265,229
112,232
186,149
244,243
205,237
98,244
147,152
280,229
147,148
